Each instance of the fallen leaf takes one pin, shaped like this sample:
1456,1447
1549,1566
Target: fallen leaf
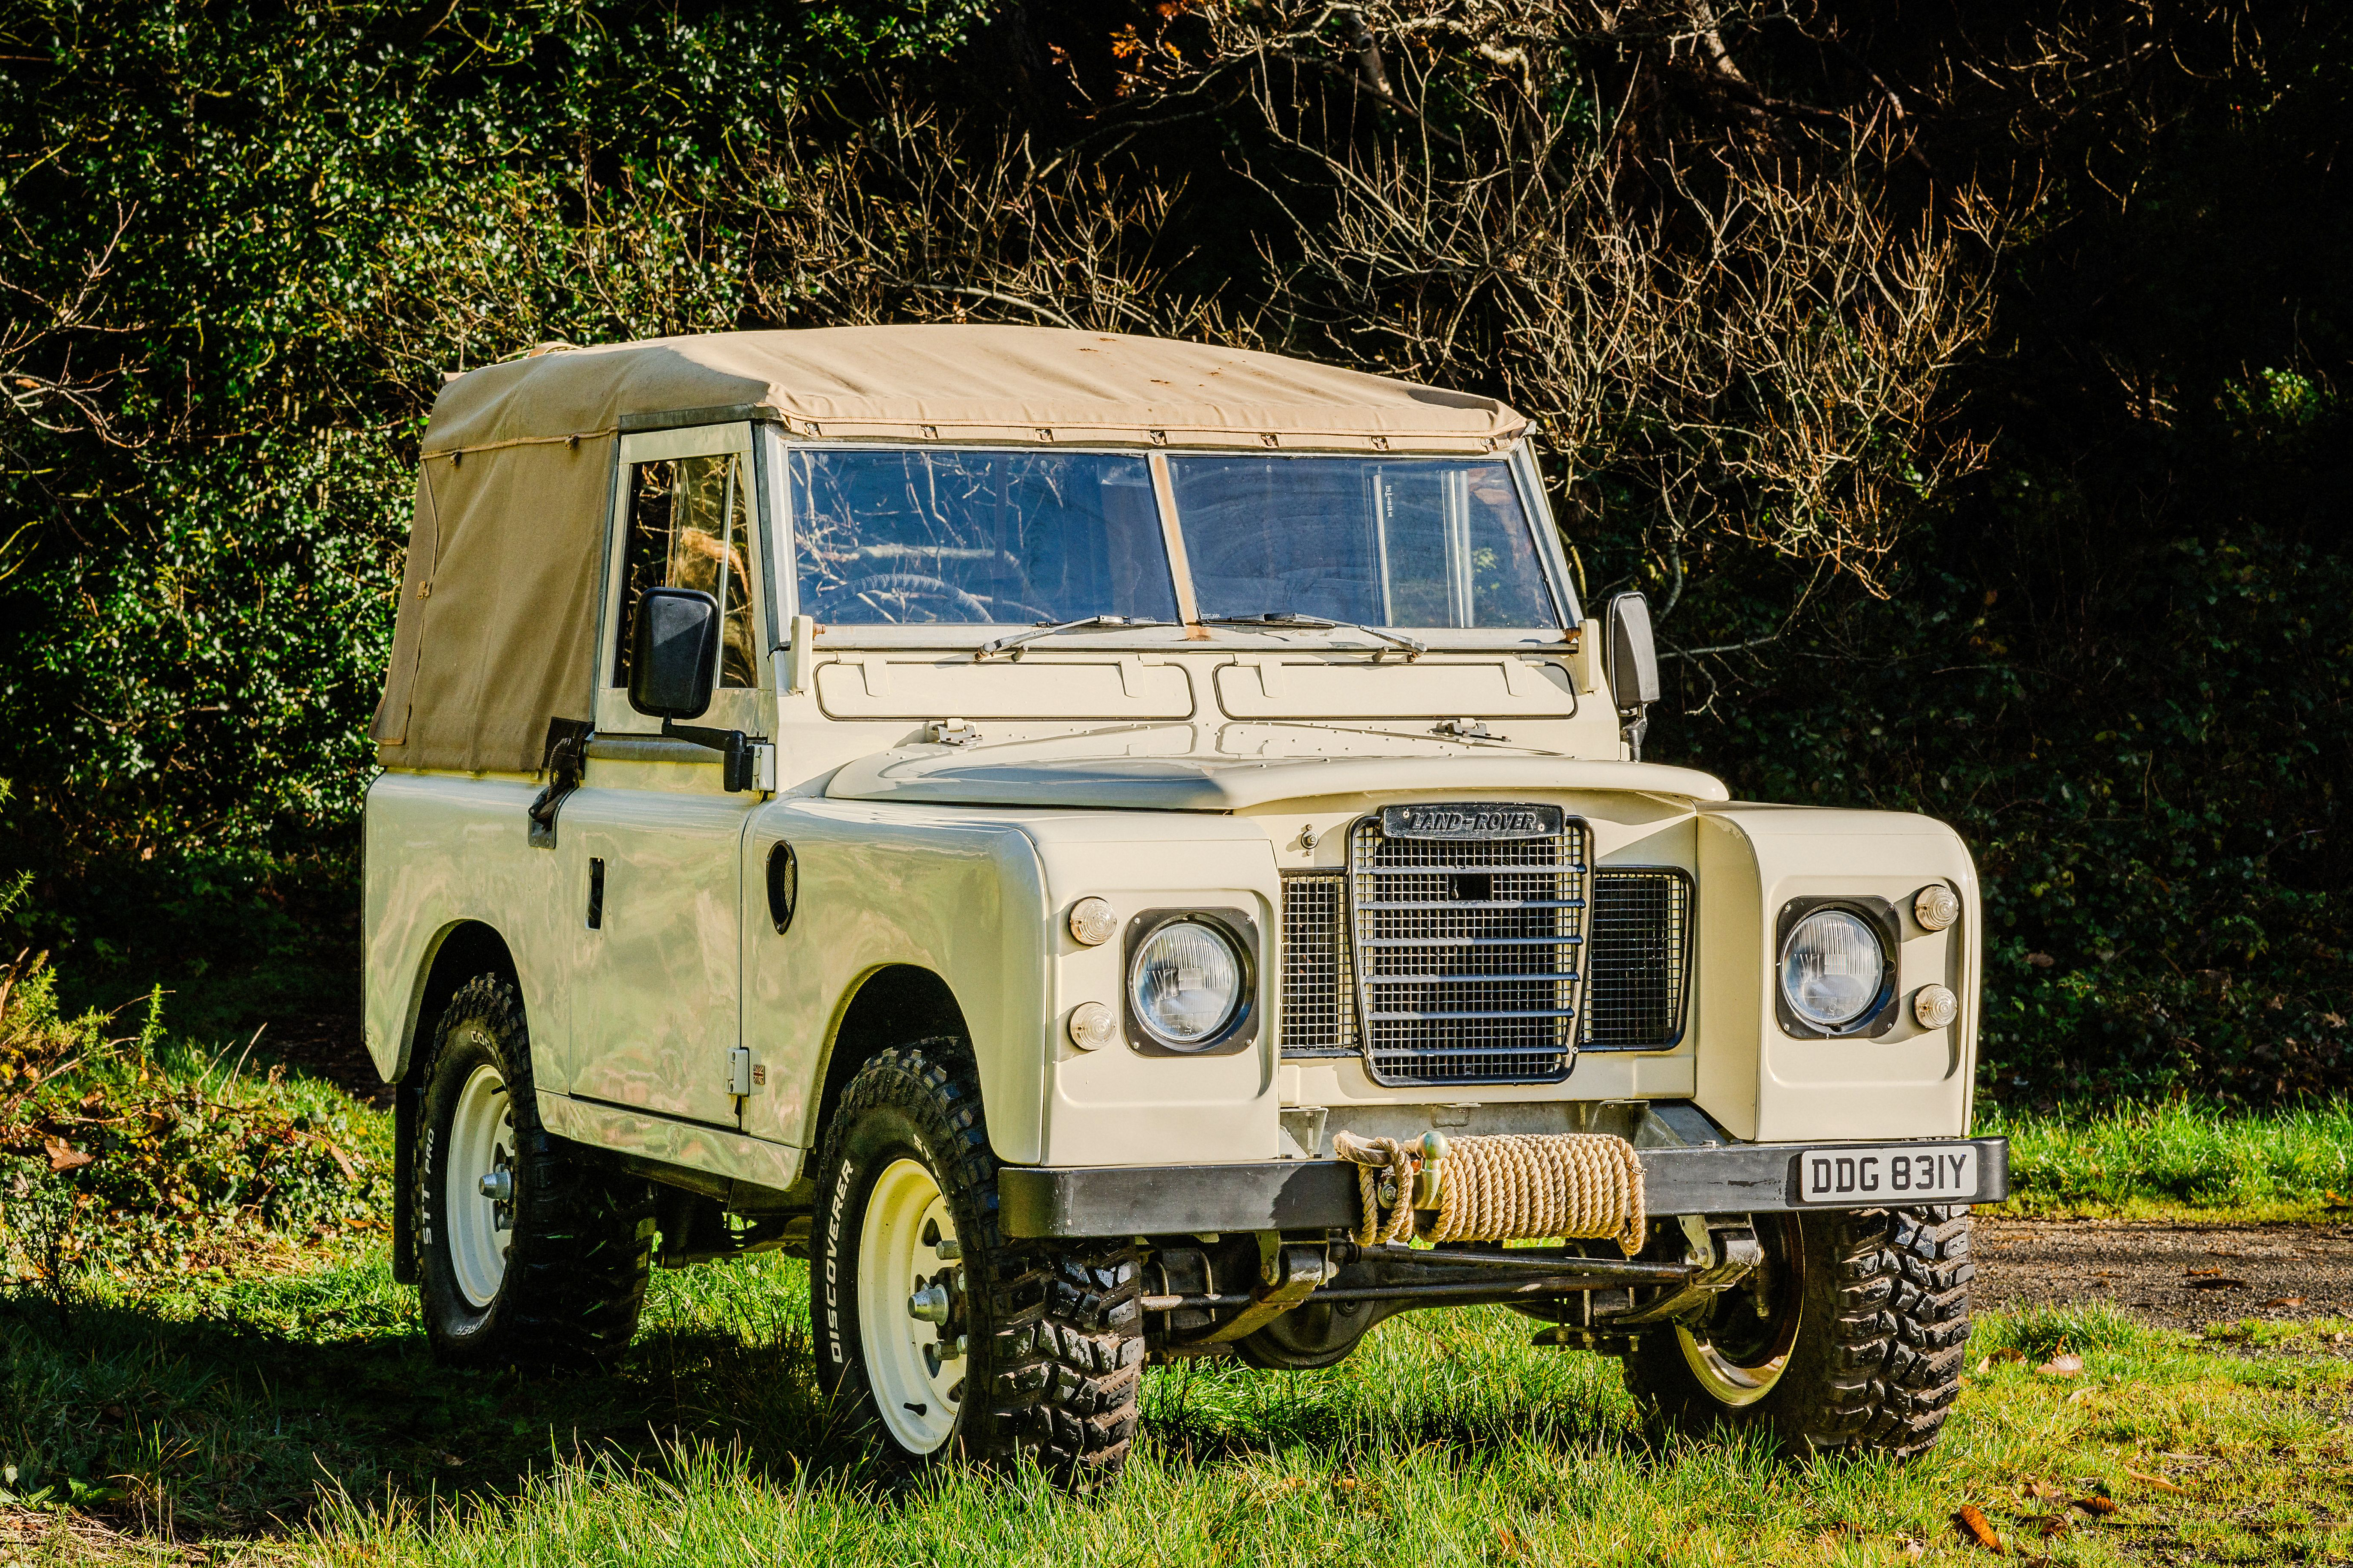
2097,1507
64,1156
1985,1364
2066,1364
2283,1301
2218,1284
1916,1550
2009,1354
1974,1525
2054,1524
2160,1482
2079,1397
2038,1488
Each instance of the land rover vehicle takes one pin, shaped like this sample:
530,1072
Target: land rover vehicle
1114,849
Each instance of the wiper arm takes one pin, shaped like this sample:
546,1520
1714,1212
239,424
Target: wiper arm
1288,620
1091,624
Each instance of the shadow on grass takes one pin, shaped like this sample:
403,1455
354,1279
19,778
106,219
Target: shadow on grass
233,1412
1456,1382
241,1409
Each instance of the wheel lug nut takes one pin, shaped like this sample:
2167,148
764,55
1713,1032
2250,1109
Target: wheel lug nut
929,1304
499,1185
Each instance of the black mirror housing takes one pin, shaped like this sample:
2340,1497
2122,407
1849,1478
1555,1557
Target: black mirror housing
674,653
1632,658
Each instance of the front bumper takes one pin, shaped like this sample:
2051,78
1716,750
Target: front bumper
1320,1194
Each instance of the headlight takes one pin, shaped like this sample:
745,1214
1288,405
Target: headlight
1185,983
1831,968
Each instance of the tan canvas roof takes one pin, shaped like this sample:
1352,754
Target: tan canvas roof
496,631
968,382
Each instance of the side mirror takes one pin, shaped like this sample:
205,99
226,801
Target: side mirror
1631,663
674,654
673,665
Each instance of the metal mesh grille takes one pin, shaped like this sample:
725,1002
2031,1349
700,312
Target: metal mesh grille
1318,1009
1467,955
1638,961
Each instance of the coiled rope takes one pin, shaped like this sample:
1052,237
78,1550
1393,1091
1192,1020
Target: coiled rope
1507,1187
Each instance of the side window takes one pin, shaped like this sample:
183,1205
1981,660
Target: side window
690,523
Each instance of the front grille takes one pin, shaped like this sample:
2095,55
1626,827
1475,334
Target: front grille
1638,959
1319,1007
1467,953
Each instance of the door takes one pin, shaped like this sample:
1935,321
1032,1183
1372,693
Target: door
652,841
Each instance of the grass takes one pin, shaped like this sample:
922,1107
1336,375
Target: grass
2178,1159
203,1357
293,1416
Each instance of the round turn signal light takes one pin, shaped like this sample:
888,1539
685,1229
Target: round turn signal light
1093,922
1935,907
1094,1026
1935,1006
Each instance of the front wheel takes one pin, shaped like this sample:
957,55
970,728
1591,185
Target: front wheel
1850,1337
942,1337
529,1249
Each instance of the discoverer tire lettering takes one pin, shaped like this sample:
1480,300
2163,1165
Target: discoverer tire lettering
1054,1330
580,1239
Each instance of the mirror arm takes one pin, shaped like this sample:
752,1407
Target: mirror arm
739,754
1636,723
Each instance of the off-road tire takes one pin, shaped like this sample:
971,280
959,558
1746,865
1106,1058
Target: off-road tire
1876,1362
583,1232
1055,1330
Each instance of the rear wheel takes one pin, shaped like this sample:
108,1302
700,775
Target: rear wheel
943,1337
1849,1337
528,1248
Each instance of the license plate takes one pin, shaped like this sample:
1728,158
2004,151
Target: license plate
1906,1173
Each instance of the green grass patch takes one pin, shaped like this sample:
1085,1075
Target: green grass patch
129,1152
297,1417
203,1356
2180,1159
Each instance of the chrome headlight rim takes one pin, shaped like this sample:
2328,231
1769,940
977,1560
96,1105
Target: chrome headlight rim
1240,933
1880,918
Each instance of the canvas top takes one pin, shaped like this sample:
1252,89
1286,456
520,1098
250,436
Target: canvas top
495,637
968,382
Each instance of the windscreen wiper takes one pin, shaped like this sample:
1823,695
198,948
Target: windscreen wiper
1091,624
1288,620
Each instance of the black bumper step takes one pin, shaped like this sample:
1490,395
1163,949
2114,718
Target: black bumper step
1320,1194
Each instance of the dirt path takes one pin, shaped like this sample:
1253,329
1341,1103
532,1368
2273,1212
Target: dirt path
2183,1275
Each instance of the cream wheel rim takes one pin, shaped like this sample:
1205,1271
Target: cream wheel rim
1738,1382
915,1367
480,1226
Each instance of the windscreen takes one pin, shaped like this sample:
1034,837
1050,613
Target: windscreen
1409,543
892,536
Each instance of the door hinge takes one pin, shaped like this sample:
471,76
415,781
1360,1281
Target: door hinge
739,1071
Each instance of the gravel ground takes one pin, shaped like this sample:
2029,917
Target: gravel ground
2183,1275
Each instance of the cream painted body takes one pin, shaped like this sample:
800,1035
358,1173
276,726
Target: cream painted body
1152,770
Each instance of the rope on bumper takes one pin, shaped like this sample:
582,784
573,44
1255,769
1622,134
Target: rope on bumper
1509,1187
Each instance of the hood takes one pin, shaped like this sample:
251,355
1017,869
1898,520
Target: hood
1234,767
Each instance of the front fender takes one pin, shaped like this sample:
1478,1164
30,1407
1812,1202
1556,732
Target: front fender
1763,1083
